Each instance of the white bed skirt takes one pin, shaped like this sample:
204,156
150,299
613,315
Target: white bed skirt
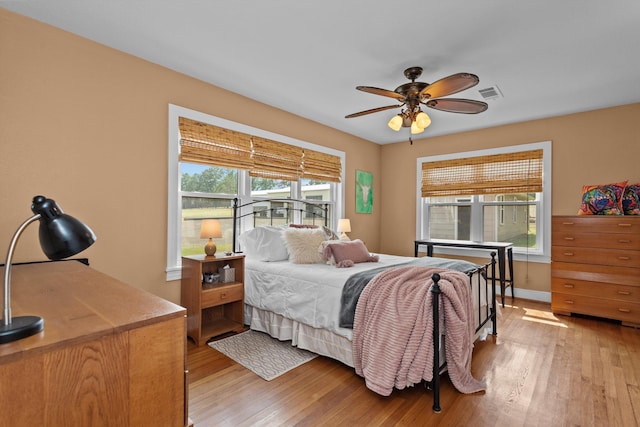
319,341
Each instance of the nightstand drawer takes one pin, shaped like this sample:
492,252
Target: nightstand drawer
222,294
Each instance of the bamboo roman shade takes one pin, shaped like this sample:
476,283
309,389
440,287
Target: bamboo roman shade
212,145
494,174
321,166
275,160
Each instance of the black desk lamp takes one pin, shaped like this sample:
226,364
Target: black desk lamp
61,236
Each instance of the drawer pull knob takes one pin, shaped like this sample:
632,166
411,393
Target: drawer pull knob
624,258
624,293
568,253
569,285
567,223
568,301
624,225
624,241
624,310
569,238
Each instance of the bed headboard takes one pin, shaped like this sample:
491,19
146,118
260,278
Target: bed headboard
278,212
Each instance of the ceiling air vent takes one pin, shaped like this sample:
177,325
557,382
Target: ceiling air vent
492,92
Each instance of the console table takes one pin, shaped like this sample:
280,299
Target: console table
110,354
504,250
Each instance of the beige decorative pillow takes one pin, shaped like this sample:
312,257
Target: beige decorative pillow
303,244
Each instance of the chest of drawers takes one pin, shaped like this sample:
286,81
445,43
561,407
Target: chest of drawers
595,268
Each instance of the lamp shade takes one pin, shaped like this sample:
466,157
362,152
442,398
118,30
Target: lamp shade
344,226
423,120
61,235
210,228
396,122
415,128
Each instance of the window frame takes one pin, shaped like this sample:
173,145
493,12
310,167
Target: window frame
173,265
543,204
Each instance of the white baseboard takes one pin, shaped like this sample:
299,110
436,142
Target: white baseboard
527,294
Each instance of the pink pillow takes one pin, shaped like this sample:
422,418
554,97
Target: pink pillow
347,253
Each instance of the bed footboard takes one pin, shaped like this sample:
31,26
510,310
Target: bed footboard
484,316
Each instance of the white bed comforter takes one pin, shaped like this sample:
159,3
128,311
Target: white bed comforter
307,293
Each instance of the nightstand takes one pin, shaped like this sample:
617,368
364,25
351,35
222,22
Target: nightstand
212,308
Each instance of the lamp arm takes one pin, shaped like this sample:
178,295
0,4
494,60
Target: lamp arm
6,313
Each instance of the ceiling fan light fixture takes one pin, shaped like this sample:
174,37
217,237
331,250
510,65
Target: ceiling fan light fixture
415,94
415,128
423,120
396,122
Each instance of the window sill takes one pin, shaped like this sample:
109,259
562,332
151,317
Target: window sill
174,273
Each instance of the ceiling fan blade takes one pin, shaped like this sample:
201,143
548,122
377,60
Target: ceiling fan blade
457,105
383,92
373,110
449,85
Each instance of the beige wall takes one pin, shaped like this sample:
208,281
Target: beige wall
595,147
87,126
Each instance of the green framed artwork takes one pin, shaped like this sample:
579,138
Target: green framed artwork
364,192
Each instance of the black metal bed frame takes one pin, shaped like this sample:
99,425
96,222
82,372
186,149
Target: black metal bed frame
323,208
490,315
483,271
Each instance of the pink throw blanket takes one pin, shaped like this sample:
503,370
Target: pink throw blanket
393,329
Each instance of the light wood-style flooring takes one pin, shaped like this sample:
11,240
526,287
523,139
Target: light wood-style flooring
541,370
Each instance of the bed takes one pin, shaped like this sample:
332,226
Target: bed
296,289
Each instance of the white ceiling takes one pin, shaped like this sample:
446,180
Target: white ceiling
548,57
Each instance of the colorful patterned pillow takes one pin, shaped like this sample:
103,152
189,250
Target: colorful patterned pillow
602,199
631,200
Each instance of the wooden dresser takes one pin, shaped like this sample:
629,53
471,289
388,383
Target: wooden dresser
595,268
109,355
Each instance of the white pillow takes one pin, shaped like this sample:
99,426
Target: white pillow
264,244
303,245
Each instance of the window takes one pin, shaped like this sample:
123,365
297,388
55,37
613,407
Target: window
488,195
249,164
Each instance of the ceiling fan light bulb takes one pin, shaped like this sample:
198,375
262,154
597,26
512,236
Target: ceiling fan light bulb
415,128
423,120
395,123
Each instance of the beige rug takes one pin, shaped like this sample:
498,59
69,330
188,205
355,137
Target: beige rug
265,356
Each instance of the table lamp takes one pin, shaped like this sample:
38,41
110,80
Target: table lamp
209,229
344,227
61,236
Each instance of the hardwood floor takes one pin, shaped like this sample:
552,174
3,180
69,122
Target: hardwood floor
541,370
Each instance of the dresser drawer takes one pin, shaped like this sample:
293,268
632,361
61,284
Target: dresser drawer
627,312
613,257
624,241
222,294
596,224
596,289
596,273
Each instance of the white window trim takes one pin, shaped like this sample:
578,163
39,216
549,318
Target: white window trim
542,256
173,269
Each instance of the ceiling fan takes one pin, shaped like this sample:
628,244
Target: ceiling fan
411,95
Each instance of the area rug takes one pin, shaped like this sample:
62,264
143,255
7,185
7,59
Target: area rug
267,357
